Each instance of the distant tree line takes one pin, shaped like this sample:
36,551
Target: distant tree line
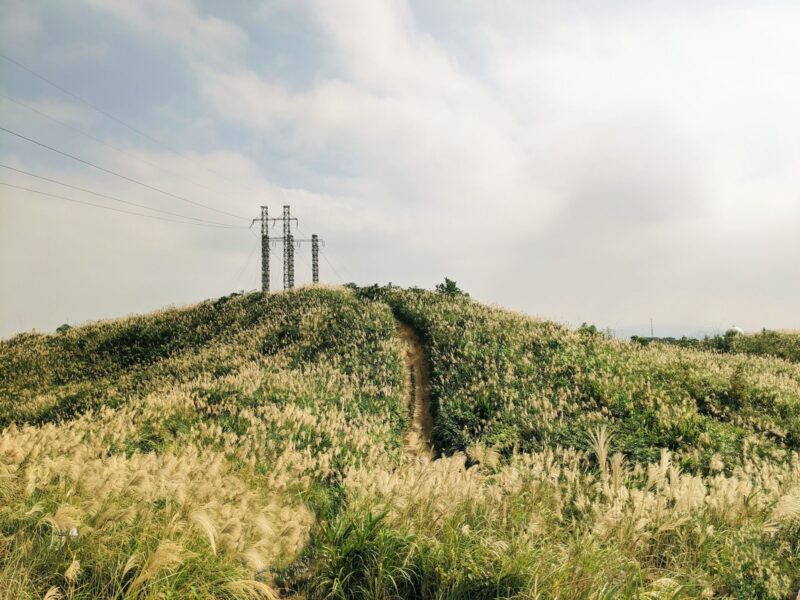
779,344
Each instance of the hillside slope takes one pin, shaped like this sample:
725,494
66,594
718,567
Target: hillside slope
254,446
519,383
213,432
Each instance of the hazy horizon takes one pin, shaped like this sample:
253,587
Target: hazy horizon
605,163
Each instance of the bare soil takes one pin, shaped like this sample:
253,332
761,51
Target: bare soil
418,437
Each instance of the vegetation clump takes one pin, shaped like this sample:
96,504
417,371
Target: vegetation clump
778,344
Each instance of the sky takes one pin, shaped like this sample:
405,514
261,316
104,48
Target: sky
583,161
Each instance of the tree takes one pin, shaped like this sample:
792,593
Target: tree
450,288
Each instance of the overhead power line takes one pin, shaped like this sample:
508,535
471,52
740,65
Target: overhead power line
119,210
113,117
115,199
246,264
72,95
102,142
339,277
121,176
317,250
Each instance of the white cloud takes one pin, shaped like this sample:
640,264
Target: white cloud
599,162
410,129
20,24
68,112
178,21
80,53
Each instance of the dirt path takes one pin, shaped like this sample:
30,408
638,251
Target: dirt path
418,437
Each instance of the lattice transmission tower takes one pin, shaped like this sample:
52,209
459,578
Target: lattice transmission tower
314,259
264,249
289,242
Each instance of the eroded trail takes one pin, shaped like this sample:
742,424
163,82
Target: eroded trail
418,437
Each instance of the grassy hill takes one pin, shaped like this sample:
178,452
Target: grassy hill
253,447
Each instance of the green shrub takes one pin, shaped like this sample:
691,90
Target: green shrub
362,559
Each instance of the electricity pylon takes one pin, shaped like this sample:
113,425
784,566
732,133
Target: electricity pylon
314,259
289,242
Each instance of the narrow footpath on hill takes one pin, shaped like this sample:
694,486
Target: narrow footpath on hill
418,437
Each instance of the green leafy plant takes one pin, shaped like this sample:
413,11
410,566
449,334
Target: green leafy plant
450,288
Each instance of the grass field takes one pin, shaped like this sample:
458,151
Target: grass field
253,447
